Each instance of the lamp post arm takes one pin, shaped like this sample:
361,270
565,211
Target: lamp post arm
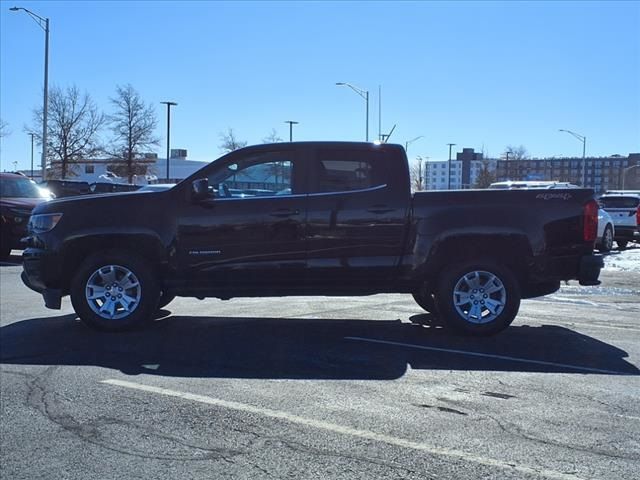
582,138
359,91
41,21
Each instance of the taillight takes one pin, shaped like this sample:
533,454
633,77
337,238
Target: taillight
638,216
590,230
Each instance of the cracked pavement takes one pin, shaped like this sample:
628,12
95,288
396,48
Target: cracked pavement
325,388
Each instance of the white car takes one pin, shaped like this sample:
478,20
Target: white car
606,231
624,209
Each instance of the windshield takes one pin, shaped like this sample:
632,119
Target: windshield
19,188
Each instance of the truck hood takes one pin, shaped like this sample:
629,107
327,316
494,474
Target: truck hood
102,202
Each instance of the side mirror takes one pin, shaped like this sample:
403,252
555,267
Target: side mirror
200,189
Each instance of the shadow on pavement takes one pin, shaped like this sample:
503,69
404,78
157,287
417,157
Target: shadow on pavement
275,348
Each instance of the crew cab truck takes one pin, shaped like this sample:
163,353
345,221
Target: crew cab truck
332,218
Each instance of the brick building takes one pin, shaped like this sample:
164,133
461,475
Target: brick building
600,173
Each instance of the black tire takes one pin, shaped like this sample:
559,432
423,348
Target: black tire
425,299
622,244
165,299
472,316
124,288
5,253
607,239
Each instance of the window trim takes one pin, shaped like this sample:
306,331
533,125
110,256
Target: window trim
343,192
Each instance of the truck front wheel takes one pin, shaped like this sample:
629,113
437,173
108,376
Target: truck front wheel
114,291
425,299
478,297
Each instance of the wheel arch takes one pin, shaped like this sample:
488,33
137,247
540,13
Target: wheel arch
76,250
510,250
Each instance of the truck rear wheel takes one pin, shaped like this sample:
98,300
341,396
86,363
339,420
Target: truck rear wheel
478,297
114,291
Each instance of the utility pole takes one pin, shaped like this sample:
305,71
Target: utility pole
380,113
506,166
291,124
32,135
169,105
450,145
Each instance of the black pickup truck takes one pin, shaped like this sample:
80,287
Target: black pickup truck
311,218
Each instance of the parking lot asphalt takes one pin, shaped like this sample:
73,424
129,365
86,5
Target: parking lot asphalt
326,388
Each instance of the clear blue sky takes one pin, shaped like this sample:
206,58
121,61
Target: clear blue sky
472,73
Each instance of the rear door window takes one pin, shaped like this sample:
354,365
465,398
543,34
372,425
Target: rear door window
345,170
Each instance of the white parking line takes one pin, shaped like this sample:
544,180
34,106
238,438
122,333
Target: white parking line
487,355
344,430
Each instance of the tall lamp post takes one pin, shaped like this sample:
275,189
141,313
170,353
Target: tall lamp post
169,105
583,139
450,145
506,165
624,173
43,23
364,94
291,124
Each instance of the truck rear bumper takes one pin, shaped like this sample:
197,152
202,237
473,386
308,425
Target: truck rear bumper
590,266
585,268
627,233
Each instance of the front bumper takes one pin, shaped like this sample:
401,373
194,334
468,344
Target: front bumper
40,274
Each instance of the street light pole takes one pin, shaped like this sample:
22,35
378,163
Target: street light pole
583,139
450,145
32,135
291,124
364,94
506,166
169,105
43,23
624,173
406,144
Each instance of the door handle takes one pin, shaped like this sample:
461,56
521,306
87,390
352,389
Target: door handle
284,212
379,209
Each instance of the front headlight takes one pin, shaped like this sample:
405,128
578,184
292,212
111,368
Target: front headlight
44,222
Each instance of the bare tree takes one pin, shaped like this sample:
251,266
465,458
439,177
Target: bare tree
133,124
485,177
72,132
230,142
273,137
416,173
516,153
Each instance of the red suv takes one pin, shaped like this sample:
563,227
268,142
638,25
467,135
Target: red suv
18,196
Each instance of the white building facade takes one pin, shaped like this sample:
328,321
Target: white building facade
98,170
437,174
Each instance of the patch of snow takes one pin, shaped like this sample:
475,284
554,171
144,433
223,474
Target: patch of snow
624,261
